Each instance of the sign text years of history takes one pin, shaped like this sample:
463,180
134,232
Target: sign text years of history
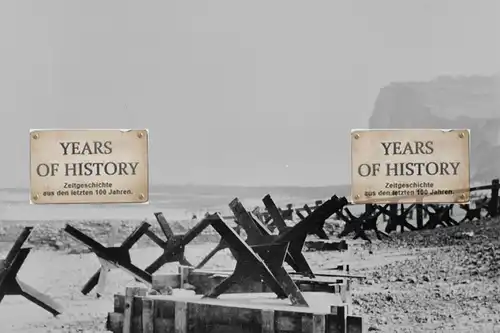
410,165
89,166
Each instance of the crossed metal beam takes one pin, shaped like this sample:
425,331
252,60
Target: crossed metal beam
259,234
174,246
360,224
10,283
440,215
318,231
112,257
396,219
474,213
256,263
262,255
318,216
295,235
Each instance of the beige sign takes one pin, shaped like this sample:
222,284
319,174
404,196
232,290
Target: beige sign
410,166
89,166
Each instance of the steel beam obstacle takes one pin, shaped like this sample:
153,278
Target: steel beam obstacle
256,263
396,219
10,283
258,232
112,257
440,215
362,223
474,213
262,255
174,246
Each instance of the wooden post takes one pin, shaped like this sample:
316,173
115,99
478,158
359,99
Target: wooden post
402,212
420,216
130,293
493,204
267,321
369,209
288,214
410,214
184,272
339,317
314,324
318,203
354,324
346,296
393,208
148,315
180,320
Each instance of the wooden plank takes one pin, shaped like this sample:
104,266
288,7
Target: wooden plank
354,324
295,276
286,321
119,303
164,315
181,317
205,282
130,293
346,296
206,315
161,282
114,322
184,272
336,321
136,326
245,313
493,203
267,319
148,313
318,323
314,324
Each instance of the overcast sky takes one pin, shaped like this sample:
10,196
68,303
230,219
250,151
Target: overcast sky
231,91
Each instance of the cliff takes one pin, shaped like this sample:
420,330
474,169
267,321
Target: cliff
448,102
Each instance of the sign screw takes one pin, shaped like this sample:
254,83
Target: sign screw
461,135
357,195
140,135
35,197
356,136
141,196
35,136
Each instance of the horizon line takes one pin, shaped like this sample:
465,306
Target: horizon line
210,185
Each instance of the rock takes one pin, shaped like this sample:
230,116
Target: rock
483,269
168,291
425,278
373,328
188,286
446,102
